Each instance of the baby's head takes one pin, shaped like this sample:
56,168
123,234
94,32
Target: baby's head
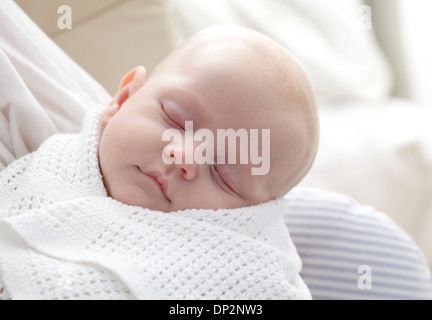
221,78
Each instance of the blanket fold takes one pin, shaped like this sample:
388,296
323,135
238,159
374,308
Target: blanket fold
61,237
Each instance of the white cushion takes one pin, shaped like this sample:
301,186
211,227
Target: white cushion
341,55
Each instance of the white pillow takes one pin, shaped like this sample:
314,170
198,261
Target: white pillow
382,157
342,56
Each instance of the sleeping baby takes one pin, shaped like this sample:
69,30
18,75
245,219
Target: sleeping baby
218,80
119,211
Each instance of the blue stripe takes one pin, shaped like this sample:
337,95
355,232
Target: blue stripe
300,245
318,195
402,268
346,202
343,294
346,216
320,227
316,219
349,214
376,243
378,282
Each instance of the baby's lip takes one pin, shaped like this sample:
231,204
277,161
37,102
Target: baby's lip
159,179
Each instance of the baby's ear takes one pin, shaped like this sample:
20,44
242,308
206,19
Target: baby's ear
129,85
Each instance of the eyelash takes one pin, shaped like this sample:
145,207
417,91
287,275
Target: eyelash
176,124
223,185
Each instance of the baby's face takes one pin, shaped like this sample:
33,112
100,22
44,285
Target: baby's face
213,94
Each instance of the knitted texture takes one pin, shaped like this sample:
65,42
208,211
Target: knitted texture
61,237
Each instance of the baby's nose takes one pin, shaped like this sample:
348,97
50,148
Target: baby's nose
188,171
182,158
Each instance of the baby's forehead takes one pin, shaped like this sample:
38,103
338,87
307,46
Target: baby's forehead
265,69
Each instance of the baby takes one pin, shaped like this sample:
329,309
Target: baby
221,78
81,216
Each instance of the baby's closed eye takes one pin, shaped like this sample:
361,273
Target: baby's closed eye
220,180
172,120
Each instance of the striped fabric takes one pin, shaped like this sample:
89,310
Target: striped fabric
351,251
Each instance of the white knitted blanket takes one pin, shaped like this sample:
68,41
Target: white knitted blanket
61,237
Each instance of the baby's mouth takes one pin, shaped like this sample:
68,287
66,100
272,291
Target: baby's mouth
158,178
